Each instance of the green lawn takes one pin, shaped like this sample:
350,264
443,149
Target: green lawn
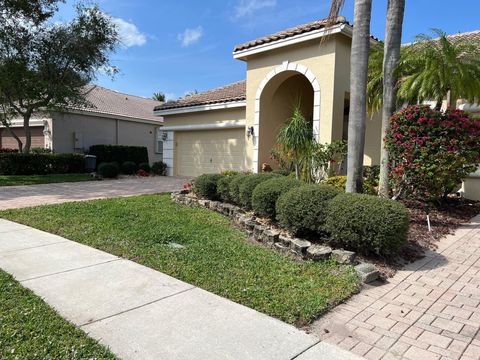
217,256
11,180
30,329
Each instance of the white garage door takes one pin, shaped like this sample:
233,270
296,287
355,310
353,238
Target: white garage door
209,151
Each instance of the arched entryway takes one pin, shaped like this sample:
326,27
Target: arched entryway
284,88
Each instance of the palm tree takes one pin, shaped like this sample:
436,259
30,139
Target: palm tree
159,96
434,69
430,69
393,39
358,89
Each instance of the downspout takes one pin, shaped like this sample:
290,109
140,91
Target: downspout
116,130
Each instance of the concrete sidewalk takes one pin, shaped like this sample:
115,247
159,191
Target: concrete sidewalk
140,313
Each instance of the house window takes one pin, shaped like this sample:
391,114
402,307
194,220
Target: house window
159,148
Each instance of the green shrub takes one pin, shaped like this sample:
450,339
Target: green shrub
14,163
119,153
234,187
205,186
108,170
39,150
282,172
302,210
229,172
129,168
265,195
367,224
223,187
159,168
371,174
249,184
338,182
144,166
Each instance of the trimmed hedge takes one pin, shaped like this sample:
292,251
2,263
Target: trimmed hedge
266,194
223,187
108,170
367,224
129,168
205,186
249,184
159,168
14,163
302,210
145,167
234,187
119,153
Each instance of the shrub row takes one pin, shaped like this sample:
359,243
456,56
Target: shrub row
362,223
14,163
119,154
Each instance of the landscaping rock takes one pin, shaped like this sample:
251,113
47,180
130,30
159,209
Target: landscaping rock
271,236
258,232
280,246
300,246
250,225
202,202
319,252
344,257
367,272
285,240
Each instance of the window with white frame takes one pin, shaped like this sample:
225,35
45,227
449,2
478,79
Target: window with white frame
159,144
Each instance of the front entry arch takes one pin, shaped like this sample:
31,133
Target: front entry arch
277,94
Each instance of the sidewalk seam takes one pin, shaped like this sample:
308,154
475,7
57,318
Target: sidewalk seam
33,247
137,307
304,351
69,270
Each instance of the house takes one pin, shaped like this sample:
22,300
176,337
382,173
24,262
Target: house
235,126
110,118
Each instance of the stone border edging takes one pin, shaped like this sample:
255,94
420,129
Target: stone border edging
302,249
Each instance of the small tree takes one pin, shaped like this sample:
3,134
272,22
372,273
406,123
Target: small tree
431,151
296,138
45,66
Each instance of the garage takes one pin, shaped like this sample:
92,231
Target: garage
209,151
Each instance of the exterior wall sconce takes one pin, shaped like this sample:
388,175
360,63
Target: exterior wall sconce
164,136
250,131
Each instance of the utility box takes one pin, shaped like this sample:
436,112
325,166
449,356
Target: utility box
90,162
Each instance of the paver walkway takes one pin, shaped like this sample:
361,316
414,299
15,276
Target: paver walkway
33,195
140,313
429,310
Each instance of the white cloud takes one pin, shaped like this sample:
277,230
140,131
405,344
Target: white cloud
248,7
128,33
190,36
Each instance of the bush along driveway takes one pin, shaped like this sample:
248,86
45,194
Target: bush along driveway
199,247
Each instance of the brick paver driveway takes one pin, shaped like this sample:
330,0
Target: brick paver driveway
430,310
33,195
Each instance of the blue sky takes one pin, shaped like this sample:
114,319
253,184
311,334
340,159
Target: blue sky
176,46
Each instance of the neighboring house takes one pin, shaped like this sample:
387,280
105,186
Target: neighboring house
236,126
111,118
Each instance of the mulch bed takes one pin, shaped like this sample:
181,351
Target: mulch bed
444,220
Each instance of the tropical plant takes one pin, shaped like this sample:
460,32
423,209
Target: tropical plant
296,139
431,151
46,65
393,39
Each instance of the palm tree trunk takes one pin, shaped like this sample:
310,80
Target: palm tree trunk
358,94
391,57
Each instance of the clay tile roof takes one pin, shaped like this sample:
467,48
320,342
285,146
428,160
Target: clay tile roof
110,102
227,93
297,30
472,37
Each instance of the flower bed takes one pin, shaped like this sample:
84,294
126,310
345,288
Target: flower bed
274,238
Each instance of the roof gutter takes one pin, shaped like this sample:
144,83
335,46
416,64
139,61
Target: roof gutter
198,108
214,126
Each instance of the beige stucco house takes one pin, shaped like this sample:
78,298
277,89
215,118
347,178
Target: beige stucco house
235,126
111,118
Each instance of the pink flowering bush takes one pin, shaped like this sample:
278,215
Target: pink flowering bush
431,151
